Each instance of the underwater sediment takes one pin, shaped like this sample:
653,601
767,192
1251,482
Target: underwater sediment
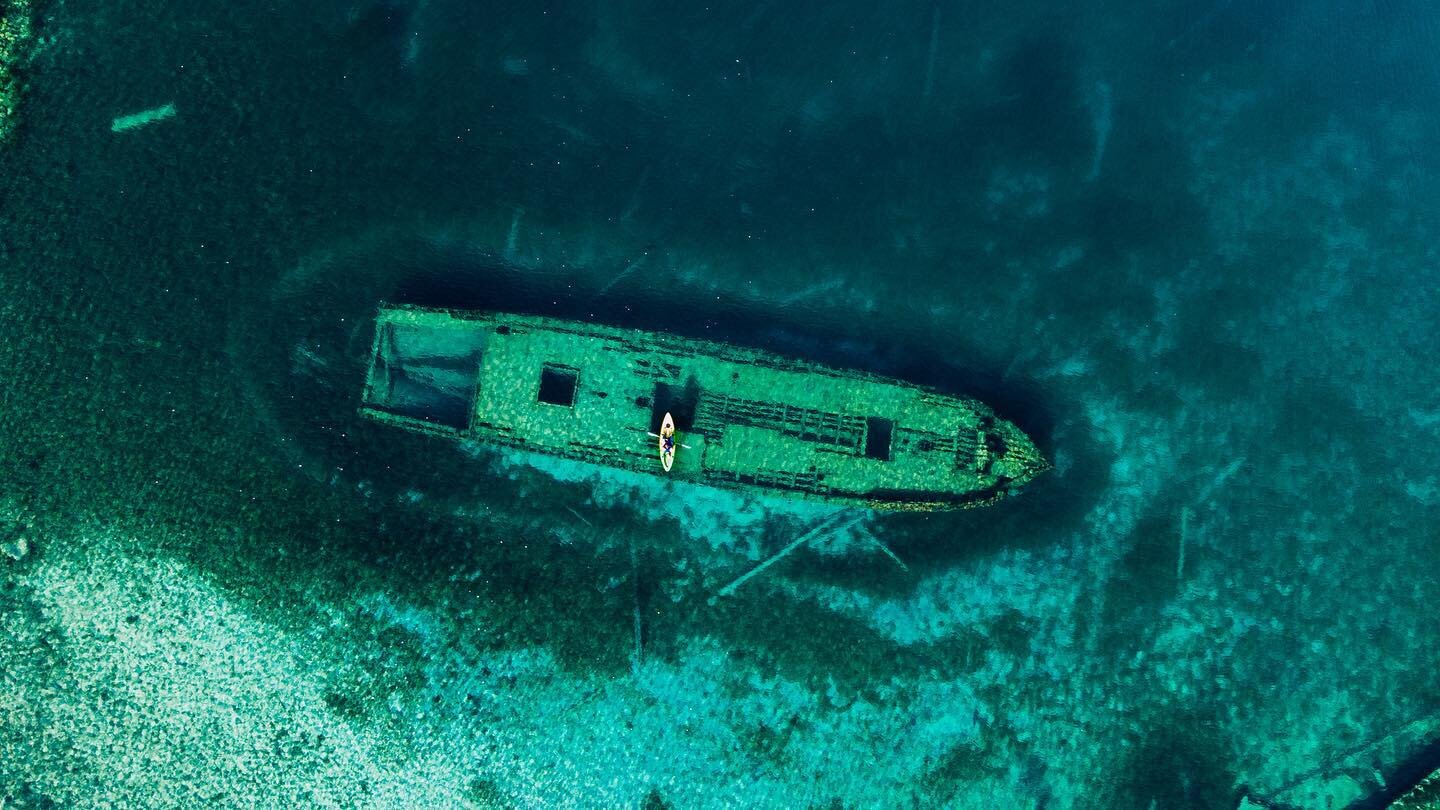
233,591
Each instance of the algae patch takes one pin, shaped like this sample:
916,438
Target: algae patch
142,118
15,37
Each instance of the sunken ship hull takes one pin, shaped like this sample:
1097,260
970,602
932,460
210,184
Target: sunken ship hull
747,419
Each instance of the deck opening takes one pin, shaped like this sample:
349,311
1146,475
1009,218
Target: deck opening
558,384
995,443
678,401
426,372
878,433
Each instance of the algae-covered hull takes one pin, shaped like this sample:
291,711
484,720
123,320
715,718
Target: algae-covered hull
747,419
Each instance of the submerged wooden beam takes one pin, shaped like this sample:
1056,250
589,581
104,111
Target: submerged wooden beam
798,542
142,118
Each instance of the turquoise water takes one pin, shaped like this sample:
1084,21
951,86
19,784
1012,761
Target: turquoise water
1190,247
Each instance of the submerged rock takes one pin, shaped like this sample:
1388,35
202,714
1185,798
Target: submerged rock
16,545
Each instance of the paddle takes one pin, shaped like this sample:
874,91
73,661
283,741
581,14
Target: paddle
657,435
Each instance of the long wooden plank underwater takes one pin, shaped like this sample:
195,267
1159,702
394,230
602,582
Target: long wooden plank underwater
749,419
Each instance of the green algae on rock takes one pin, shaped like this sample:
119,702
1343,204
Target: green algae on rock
15,36
748,419
1424,796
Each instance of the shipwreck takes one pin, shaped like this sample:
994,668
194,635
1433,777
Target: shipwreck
743,418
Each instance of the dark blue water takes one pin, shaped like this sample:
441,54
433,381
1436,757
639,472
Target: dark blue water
1189,247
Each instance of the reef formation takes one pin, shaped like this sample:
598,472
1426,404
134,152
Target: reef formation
15,38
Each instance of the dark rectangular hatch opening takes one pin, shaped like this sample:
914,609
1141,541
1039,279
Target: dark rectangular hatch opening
878,434
558,384
678,401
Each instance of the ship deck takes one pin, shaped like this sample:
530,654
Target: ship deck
749,418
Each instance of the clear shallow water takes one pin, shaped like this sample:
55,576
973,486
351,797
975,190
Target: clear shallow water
1190,247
